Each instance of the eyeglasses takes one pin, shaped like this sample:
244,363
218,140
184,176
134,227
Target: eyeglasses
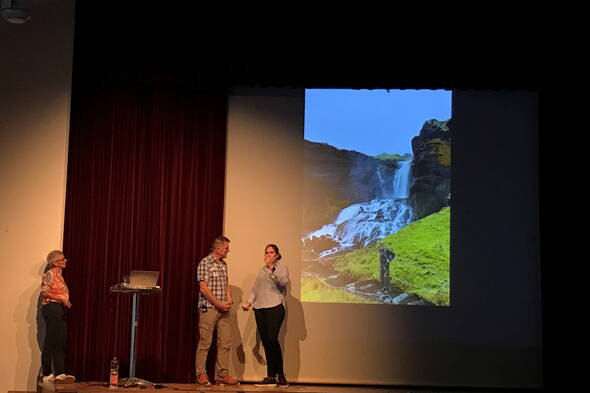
61,260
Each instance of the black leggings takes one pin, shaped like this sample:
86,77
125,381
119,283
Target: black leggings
54,347
269,321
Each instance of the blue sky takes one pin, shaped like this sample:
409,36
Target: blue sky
372,121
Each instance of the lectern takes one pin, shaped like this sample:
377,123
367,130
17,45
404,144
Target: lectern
135,292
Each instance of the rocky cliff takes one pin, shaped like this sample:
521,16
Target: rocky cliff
431,169
337,178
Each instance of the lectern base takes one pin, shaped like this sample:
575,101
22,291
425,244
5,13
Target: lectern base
132,381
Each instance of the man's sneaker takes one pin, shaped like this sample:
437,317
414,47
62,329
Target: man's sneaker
203,380
282,381
227,381
267,381
47,381
63,378
48,378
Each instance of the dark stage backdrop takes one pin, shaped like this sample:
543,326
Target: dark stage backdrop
145,191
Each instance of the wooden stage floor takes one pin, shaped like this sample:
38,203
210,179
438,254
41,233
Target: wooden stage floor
101,387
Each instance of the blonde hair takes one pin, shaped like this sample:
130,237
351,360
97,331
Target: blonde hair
54,255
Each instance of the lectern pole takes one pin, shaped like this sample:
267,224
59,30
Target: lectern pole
133,380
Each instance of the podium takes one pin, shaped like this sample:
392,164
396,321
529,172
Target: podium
134,292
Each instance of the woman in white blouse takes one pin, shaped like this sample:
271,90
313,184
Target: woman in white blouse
268,300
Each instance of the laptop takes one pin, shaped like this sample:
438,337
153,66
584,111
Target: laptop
143,278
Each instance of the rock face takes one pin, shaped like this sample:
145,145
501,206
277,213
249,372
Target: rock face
337,178
319,244
431,170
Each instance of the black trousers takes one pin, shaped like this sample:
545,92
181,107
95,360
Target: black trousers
384,273
56,336
269,321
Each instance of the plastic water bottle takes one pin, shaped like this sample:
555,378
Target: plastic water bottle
114,376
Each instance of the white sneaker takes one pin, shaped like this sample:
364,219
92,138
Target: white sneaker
47,381
63,378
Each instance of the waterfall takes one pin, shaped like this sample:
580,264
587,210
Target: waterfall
381,182
362,223
401,180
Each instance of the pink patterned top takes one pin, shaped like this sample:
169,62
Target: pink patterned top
54,283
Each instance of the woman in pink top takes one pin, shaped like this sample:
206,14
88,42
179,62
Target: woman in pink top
55,296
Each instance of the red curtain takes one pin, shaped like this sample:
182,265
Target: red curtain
145,191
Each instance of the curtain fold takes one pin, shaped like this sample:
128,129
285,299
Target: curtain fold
145,191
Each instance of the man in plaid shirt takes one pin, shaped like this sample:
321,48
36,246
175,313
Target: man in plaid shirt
215,302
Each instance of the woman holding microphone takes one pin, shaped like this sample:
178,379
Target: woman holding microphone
268,300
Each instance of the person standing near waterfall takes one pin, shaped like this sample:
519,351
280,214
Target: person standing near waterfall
385,258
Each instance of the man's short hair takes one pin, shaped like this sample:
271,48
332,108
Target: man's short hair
54,255
219,240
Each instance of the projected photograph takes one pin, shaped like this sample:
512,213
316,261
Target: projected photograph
377,197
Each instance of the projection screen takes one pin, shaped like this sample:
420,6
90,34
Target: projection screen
487,333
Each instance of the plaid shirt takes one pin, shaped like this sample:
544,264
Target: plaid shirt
214,272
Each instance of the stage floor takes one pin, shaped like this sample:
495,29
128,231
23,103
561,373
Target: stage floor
101,387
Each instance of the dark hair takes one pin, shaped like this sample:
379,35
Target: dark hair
276,248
